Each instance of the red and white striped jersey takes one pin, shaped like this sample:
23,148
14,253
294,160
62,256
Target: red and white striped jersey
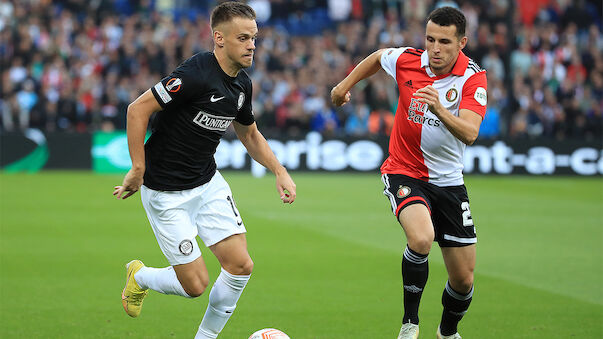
420,146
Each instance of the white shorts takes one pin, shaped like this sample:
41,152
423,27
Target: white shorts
177,217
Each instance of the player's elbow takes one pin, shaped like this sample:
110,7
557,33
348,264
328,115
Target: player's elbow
469,138
135,112
250,137
131,111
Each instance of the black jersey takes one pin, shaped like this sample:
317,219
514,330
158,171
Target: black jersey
199,102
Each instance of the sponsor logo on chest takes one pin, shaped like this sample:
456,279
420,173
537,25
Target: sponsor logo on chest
212,122
417,111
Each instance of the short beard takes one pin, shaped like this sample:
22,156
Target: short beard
243,66
436,67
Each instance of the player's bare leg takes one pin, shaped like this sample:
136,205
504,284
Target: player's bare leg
193,277
236,271
456,298
233,256
416,222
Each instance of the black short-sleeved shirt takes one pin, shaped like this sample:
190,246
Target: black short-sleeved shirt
199,102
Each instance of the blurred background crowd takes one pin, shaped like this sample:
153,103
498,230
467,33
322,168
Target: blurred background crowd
75,65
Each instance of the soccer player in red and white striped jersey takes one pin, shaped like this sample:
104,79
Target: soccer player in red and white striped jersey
442,102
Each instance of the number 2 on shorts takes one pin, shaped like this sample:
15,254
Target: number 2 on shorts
467,221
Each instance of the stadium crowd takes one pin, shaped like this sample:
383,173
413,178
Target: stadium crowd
74,65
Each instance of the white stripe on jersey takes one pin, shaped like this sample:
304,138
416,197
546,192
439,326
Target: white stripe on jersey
391,54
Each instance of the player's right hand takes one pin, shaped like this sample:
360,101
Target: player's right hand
132,182
285,187
339,97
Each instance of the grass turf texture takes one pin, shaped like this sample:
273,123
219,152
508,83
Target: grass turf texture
325,267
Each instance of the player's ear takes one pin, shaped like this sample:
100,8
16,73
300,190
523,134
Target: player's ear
218,39
463,42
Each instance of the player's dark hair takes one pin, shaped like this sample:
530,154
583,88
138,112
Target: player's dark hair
230,10
446,16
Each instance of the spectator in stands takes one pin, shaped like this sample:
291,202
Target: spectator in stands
88,60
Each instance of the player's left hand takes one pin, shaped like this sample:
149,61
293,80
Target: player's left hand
430,96
285,187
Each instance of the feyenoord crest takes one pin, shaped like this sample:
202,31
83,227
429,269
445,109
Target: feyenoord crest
186,247
241,100
452,94
403,191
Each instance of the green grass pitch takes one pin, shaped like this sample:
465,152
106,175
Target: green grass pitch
327,266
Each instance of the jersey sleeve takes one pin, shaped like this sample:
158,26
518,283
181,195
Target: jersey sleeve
475,94
389,59
245,115
178,87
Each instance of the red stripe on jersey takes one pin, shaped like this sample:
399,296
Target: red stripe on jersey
411,199
405,155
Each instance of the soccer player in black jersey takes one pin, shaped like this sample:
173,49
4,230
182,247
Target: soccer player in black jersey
183,194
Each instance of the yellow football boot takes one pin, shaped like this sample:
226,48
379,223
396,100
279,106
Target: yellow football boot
132,296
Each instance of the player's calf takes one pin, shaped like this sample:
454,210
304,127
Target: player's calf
455,305
415,271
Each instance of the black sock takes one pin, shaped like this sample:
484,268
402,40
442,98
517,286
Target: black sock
455,306
415,270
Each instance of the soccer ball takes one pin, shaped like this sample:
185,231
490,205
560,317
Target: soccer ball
269,333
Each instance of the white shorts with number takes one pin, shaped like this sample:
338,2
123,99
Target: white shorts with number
177,217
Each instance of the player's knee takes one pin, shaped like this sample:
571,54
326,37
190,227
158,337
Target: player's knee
242,268
196,288
420,244
248,267
462,284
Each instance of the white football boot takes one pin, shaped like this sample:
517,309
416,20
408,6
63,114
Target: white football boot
409,331
453,336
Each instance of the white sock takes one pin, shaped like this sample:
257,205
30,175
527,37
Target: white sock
162,280
222,302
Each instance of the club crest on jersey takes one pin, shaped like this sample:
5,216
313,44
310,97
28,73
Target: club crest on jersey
212,122
173,85
241,100
452,94
403,192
